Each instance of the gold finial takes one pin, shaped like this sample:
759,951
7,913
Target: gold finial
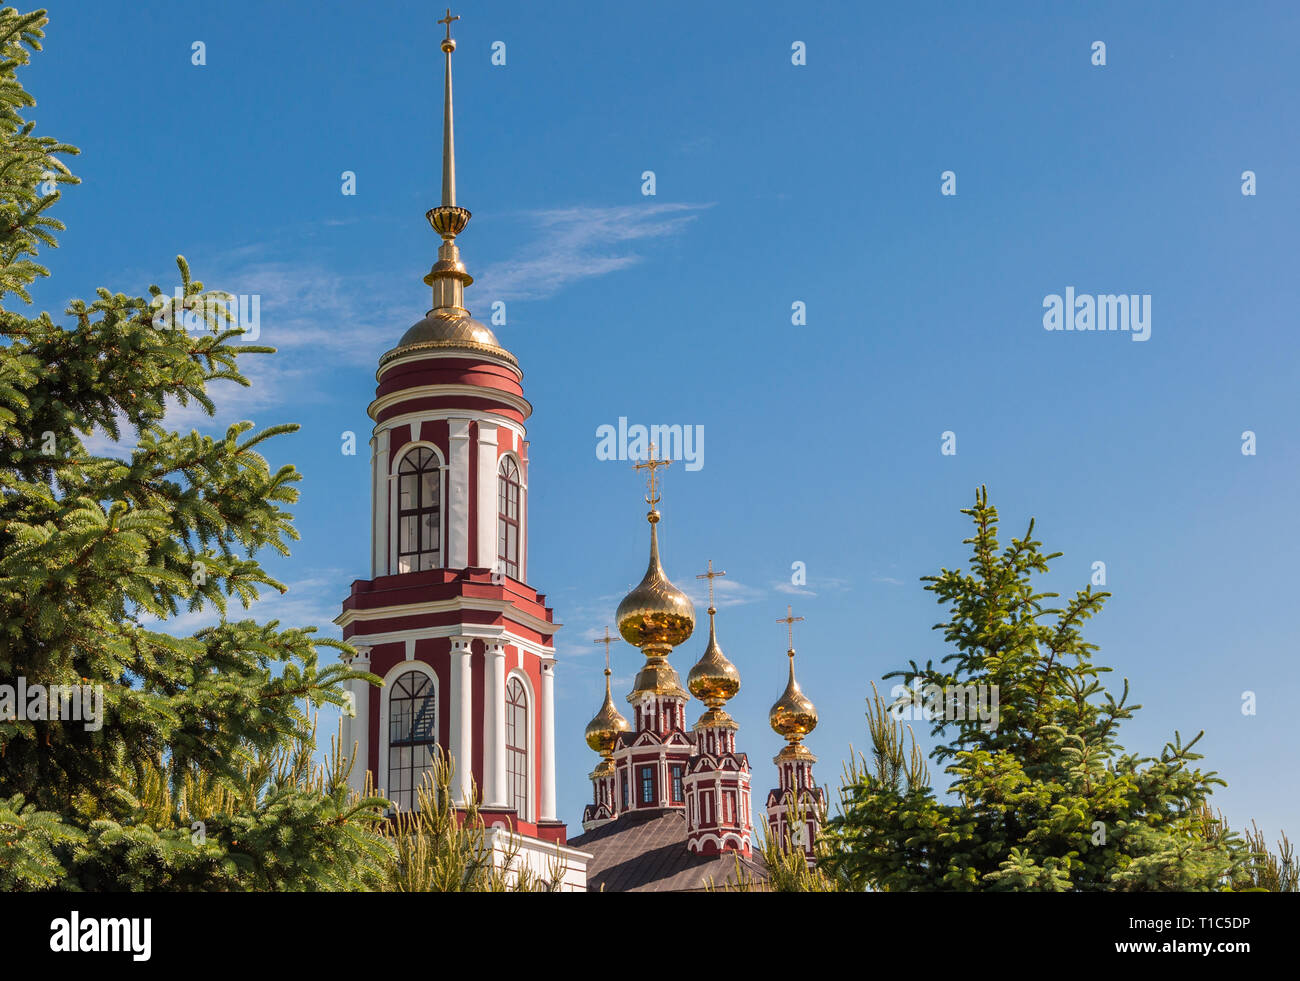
652,465
790,620
710,576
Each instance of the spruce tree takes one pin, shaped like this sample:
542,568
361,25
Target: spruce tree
1046,800
201,774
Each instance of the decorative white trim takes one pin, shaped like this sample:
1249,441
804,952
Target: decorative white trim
547,806
494,724
379,509
358,730
461,706
453,605
487,495
434,415
458,512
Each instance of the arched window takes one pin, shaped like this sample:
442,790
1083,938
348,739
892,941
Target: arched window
412,735
508,492
517,746
419,511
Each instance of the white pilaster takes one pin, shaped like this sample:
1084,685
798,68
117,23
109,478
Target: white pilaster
379,504
461,727
547,761
458,500
358,728
494,724
487,495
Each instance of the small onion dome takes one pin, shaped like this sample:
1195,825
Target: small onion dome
714,679
656,613
793,716
602,731
451,328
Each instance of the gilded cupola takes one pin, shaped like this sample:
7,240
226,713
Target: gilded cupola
656,616
603,731
794,715
713,679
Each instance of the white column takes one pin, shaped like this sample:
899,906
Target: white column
358,728
458,499
379,502
487,495
461,728
494,725
547,756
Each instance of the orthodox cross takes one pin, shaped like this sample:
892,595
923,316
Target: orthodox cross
652,465
790,620
606,640
710,576
447,20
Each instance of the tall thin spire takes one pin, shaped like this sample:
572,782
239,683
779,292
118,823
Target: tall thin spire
448,277
448,129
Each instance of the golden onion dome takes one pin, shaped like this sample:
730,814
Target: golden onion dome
793,716
714,679
656,613
602,731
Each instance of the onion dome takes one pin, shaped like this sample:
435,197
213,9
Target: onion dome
713,680
656,614
793,716
602,731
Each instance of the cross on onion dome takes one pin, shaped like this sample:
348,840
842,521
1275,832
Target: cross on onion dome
652,465
790,620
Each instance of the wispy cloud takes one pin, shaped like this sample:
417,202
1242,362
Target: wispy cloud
823,584
312,601
578,243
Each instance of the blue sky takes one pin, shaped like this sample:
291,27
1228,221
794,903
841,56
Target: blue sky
775,183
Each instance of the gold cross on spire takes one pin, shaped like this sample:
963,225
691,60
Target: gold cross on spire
447,20
710,576
652,465
606,640
790,620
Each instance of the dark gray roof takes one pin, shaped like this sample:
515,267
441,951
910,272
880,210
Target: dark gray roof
645,851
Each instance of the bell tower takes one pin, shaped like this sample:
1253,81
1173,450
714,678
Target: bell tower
795,807
447,618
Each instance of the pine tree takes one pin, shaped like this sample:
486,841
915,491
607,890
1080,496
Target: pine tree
1046,799
212,732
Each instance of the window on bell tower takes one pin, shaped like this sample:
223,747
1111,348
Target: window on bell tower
412,735
517,747
508,501
419,511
